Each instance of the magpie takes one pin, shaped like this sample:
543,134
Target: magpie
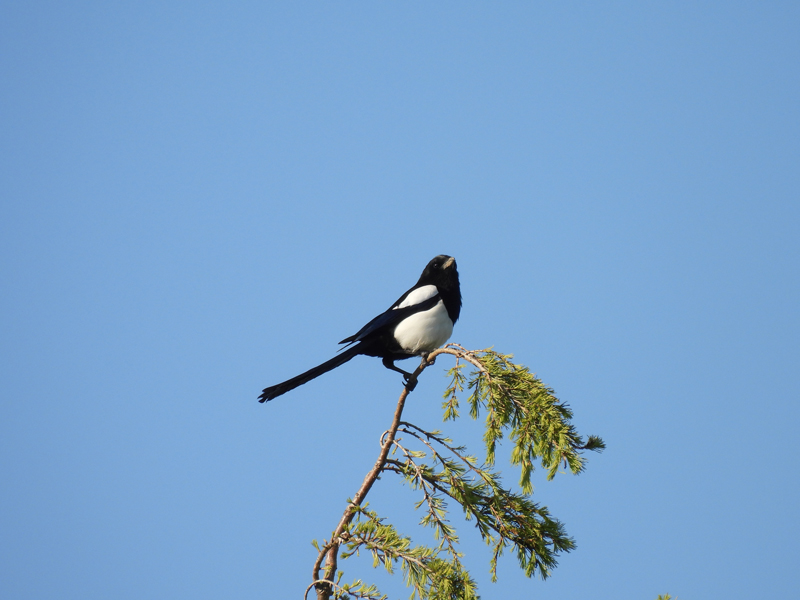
420,321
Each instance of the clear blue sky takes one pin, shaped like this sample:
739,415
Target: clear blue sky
198,200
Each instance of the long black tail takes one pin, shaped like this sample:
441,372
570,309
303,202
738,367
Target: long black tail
276,390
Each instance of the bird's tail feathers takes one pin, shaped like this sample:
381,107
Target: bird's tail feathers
276,390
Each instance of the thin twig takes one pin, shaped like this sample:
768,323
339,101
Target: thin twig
428,497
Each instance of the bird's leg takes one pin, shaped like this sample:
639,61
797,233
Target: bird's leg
425,358
410,380
389,364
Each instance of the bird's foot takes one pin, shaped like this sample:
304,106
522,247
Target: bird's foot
428,362
411,382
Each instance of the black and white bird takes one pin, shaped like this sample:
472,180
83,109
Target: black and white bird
420,321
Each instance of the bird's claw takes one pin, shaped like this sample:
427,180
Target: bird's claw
411,382
428,362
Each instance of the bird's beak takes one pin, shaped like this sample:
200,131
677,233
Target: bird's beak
449,262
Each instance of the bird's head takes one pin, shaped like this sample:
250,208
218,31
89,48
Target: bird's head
441,272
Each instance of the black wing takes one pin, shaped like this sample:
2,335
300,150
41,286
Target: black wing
391,318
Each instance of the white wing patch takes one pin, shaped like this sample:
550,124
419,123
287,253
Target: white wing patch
419,295
426,330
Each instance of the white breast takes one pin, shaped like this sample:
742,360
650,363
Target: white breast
426,330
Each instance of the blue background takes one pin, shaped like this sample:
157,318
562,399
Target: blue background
198,200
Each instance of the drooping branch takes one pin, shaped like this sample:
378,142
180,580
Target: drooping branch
540,428
503,518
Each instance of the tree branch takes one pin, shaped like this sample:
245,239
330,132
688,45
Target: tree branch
330,551
540,426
